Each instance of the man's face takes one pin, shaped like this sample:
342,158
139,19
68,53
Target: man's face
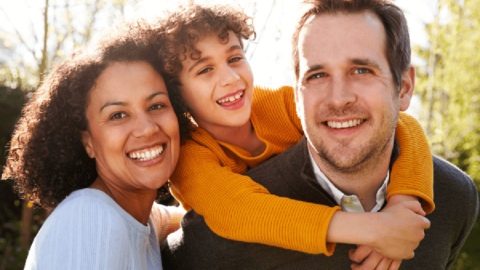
345,95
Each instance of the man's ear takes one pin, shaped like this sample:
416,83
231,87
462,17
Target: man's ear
408,85
87,143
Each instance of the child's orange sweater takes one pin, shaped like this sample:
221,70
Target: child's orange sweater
209,179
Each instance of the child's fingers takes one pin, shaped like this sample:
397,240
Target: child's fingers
360,253
395,265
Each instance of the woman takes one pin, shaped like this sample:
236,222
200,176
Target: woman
239,127
98,142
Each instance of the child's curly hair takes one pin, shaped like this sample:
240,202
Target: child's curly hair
46,157
176,34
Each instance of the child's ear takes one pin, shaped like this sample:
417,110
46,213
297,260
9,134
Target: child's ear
87,143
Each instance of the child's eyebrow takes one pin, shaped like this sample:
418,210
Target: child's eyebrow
201,60
235,47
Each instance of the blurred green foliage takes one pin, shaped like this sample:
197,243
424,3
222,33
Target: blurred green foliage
450,92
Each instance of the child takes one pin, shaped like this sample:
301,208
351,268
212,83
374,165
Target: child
240,127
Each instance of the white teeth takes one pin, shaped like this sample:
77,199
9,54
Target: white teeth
346,124
230,99
147,154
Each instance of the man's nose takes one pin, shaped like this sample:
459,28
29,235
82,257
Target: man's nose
228,76
145,126
340,93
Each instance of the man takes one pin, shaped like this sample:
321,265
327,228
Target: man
352,65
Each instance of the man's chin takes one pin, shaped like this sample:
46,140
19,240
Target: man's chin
346,160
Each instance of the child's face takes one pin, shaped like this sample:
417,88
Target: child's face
218,87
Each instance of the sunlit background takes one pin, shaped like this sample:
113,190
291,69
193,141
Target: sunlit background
36,34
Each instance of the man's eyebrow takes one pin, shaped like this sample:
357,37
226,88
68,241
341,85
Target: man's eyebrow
118,103
365,62
201,60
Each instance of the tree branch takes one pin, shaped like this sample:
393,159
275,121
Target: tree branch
18,35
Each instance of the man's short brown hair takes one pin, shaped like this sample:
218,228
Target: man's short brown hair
397,47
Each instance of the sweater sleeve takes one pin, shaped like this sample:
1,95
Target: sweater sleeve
412,173
84,234
237,208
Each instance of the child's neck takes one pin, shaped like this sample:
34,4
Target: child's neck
243,136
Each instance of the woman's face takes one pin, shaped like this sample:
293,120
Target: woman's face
218,87
133,131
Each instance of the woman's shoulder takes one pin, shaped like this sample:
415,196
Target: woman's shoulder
86,211
84,222
86,204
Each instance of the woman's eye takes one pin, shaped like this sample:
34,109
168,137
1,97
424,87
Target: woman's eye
156,107
235,59
361,71
205,70
118,115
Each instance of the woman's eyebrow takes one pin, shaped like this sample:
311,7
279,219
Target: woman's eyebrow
154,95
121,103
118,103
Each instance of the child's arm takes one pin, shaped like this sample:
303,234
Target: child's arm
237,208
412,173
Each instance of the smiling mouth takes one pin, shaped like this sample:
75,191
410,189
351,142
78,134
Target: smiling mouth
148,153
344,124
231,98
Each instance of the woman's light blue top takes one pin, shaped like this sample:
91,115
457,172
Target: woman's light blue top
88,230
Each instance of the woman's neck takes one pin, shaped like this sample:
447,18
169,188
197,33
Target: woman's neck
136,203
243,136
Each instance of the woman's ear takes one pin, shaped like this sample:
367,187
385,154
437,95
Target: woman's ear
408,85
87,143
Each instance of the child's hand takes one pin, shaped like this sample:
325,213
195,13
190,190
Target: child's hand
367,257
401,198
399,229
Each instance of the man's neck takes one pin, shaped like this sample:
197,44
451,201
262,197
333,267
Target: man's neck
363,183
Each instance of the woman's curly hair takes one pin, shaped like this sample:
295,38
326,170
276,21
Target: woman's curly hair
177,32
46,157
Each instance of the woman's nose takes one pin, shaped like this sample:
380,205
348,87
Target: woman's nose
145,126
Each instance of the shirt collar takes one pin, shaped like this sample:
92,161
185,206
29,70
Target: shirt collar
348,203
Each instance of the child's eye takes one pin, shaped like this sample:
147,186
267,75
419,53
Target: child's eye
205,70
235,59
118,115
156,107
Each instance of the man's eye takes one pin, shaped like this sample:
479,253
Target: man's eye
362,71
235,59
316,76
156,107
205,70
118,115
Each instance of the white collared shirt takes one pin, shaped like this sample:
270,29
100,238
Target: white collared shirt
348,203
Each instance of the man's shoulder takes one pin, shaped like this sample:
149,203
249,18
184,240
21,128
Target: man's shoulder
449,177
